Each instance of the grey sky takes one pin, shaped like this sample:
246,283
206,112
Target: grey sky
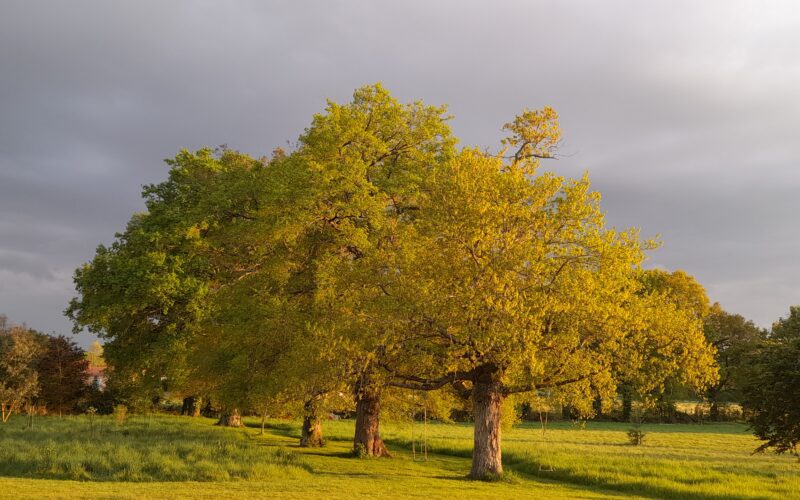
686,114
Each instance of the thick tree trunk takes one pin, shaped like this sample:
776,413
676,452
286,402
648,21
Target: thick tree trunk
191,406
367,440
230,418
487,403
197,406
312,425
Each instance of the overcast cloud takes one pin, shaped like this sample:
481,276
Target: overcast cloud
686,115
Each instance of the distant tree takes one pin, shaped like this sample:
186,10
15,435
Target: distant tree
20,349
682,289
63,375
94,355
684,292
736,340
771,387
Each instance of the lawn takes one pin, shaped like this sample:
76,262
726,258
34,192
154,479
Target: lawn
178,457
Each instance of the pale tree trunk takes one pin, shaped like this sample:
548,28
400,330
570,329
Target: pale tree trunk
8,409
197,405
311,436
263,420
487,403
230,418
367,439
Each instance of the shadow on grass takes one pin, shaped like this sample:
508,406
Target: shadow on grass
287,428
320,452
533,468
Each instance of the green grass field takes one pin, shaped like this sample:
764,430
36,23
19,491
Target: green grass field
179,457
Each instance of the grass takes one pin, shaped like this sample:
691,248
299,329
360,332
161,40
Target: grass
143,449
190,458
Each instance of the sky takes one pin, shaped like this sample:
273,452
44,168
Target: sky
685,115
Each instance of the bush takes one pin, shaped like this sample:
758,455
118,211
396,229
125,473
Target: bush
636,436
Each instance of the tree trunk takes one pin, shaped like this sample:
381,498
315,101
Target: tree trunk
312,432
8,409
627,402
311,436
197,406
191,406
367,440
487,403
263,420
713,412
230,418
208,410
597,406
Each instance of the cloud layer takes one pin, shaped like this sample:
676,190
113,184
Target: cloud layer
684,113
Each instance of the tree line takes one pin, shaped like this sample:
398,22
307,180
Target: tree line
41,373
376,260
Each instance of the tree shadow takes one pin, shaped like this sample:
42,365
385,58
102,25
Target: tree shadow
532,468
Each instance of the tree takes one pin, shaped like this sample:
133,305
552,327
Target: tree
63,375
736,340
681,288
95,355
512,283
357,176
140,295
687,295
148,291
20,349
771,387
377,255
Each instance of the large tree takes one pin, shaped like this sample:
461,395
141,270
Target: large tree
357,175
513,283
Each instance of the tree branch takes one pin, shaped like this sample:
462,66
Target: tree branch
546,384
422,384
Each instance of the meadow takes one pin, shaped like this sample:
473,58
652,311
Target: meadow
165,456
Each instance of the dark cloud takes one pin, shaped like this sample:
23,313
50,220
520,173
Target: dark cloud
683,112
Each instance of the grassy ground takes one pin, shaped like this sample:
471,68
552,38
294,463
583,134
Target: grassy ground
176,457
